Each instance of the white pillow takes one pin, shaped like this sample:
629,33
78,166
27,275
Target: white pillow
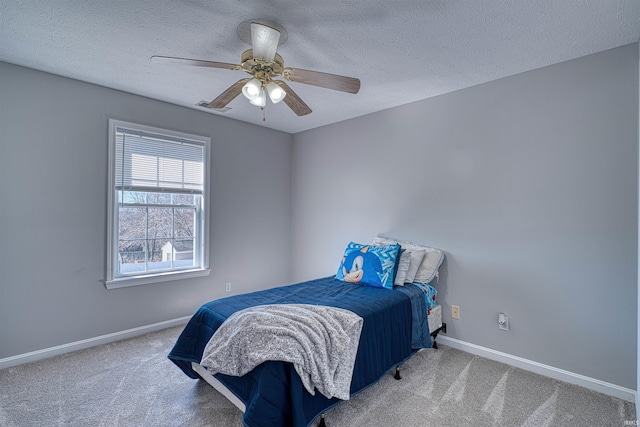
430,263
416,260
403,268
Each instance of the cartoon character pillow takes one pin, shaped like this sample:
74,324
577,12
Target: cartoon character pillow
368,265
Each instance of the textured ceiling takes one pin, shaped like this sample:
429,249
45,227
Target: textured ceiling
402,51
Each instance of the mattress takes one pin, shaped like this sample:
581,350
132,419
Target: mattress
435,318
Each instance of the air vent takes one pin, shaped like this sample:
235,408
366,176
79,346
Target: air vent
219,110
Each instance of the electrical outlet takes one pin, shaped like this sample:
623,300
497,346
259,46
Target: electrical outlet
503,322
455,312
227,286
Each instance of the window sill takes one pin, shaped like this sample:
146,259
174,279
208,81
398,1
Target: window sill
123,282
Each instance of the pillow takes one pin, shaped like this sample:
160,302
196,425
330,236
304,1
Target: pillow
416,260
432,260
429,267
369,265
402,267
403,262
430,293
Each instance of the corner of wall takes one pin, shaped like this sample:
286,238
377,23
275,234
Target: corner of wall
638,306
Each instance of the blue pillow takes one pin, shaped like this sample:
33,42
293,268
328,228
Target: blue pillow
369,265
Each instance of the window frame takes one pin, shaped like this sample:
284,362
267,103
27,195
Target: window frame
112,281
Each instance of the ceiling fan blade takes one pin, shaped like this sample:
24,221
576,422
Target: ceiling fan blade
196,62
293,100
264,41
228,95
325,80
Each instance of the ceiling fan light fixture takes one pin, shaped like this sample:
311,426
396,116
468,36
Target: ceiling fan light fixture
260,100
275,92
251,90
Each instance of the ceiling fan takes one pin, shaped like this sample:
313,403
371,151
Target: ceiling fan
264,65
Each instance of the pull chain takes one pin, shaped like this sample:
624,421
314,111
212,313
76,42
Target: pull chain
263,89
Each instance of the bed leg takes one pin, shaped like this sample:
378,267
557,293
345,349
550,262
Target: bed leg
397,375
434,335
322,424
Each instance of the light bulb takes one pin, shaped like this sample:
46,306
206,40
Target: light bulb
251,90
276,93
261,99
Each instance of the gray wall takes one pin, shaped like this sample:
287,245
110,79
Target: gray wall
53,183
529,184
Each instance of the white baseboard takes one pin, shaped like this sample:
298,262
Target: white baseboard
90,342
542,369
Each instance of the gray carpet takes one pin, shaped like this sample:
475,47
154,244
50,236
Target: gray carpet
132,383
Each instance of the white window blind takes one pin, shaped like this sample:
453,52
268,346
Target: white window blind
147,162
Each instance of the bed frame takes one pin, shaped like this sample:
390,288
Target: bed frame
434,334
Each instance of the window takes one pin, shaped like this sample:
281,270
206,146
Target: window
158,199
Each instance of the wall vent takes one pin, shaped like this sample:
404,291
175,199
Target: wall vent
219,110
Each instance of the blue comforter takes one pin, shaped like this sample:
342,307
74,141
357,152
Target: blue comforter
273,392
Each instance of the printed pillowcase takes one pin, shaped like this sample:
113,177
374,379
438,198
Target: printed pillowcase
369,265
430,293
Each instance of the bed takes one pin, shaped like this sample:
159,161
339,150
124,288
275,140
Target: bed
396,324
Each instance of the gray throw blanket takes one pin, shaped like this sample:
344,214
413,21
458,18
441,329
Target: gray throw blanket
321,343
